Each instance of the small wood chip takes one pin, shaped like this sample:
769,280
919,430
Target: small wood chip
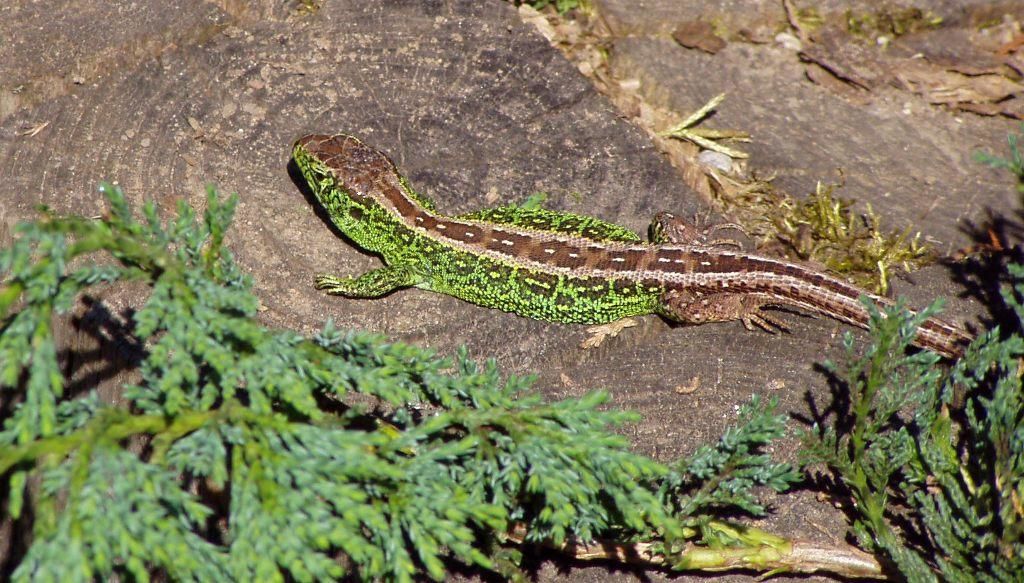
32,131
689,387
697,34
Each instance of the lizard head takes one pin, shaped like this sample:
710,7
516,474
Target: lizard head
341,165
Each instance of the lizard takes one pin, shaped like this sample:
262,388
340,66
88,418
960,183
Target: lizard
560,266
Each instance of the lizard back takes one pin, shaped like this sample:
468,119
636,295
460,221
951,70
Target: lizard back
534,262
563,267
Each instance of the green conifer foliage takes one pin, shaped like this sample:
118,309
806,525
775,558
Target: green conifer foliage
936,480
257,464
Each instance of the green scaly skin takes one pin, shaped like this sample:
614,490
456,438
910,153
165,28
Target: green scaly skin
413,260
563,267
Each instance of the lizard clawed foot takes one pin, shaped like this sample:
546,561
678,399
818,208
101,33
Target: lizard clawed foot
610,330
331,284
761,319
372,284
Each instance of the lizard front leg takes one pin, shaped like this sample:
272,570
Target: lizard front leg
372,284
690,308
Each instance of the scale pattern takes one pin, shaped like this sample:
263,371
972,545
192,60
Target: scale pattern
559,266
438,264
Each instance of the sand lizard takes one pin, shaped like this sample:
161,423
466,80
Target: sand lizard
559,266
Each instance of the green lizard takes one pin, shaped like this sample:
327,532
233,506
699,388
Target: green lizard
558,266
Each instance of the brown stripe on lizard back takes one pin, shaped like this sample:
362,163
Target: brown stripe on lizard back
602,270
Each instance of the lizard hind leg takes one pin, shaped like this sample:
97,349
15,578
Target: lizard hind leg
668,228
693,309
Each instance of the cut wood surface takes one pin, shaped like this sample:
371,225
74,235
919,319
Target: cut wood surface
477,109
